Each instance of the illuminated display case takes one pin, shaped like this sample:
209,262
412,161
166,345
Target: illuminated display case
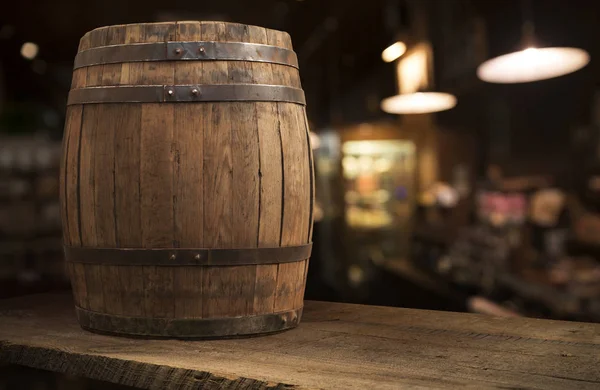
365,186
378,182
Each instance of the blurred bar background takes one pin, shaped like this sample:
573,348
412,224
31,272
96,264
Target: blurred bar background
492,205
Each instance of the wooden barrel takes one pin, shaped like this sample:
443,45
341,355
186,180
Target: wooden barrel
187,182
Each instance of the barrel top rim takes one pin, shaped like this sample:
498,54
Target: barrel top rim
182,21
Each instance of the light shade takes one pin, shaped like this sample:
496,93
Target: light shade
393,52
418,103
533,64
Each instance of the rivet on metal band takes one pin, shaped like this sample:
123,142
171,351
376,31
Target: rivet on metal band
187,327
186,51
186,94
188,256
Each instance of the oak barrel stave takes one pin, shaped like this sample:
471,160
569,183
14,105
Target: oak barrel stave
187,175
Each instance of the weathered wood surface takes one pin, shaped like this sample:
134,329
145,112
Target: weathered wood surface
337,346
187,175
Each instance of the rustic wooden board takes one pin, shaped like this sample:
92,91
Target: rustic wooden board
337,346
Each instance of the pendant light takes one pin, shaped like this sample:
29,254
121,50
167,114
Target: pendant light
531,63
414,77
418,103
413,69
393,14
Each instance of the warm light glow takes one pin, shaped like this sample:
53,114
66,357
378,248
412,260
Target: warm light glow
533,64
413,70
315,140
393,52
418,103
29,50
376,147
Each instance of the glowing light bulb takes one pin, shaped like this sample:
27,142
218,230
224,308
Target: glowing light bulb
29,50
393,52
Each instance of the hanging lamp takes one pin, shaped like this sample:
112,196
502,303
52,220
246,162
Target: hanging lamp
414,78
418,103
532,63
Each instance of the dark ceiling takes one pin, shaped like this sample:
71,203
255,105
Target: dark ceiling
57,25
338,41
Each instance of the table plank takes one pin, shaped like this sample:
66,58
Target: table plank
337,346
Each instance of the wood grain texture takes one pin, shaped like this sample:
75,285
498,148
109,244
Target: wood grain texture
296,194
86,171
63,179
156,171
308,178
296,201
139,73
72,233
127,176
79,78
337,346
217,175
94,73
157,73
156,196
270,180
188,158
104,174
188,169
127,202
245,177
245,152
132,72
227,292
133,292
79,285
283,75
87,203
104,203
210,174
94,287
311,176
220,297
111,73
292,132
80,75
112,290
156,178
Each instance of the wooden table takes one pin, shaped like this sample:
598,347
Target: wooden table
336,346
